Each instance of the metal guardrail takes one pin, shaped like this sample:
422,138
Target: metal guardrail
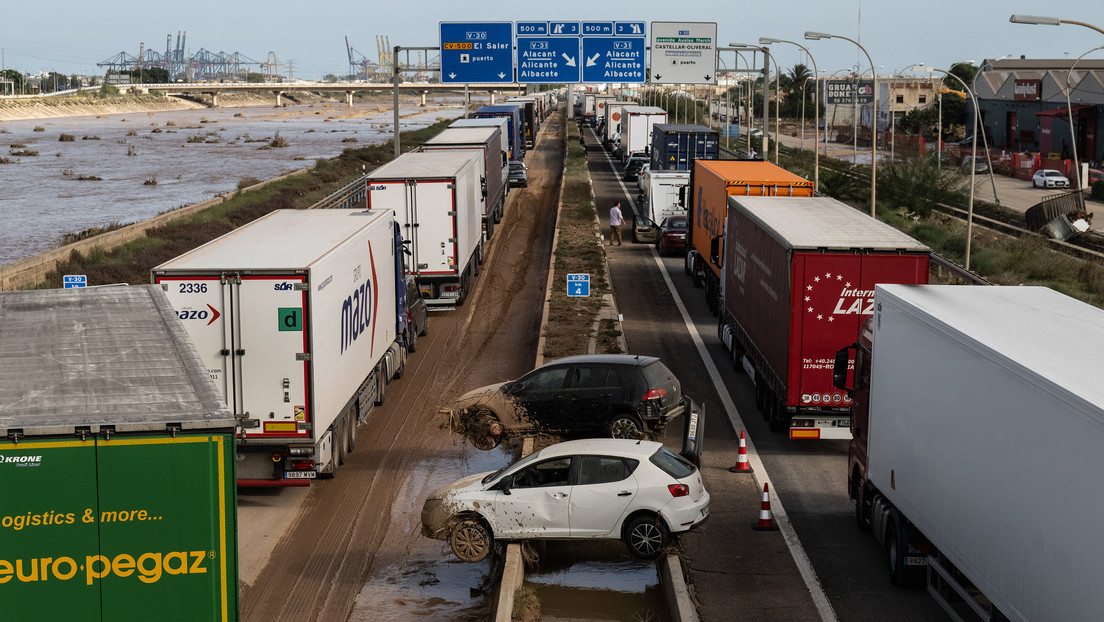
351,196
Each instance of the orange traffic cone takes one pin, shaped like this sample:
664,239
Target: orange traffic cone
742,465
766,517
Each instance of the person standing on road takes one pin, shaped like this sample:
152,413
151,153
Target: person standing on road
616,218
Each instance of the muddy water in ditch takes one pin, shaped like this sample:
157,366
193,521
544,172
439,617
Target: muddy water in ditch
572,580
192,155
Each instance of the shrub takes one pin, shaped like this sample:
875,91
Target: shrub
66,138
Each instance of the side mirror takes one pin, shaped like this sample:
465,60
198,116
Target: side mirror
839,369
506,484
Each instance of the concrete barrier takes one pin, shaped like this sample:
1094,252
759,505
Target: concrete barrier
31,271
680,607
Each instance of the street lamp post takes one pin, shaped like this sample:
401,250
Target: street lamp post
973,160
766,93
814,36
816,109
1073,133
1038,20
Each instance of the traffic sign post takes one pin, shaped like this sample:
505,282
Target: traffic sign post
578,285
683,53
477,52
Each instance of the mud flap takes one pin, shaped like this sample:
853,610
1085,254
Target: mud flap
693,433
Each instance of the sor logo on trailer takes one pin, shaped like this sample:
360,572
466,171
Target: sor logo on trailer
282,287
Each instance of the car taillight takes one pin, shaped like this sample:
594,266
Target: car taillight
655,394
678,490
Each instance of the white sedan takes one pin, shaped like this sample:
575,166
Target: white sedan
1049,178
635,491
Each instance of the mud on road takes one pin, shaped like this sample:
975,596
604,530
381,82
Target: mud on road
355,550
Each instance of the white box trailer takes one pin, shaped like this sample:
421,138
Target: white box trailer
297,318
436,198
636,135
981,451
494,165
664,194
612,124
503,125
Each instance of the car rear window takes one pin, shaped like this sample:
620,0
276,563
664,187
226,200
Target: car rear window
657,374
672,464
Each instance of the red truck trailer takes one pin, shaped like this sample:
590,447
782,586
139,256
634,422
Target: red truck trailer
798,281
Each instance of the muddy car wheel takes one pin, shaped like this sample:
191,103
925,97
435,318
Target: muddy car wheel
647,536
485,432
627,426
471,541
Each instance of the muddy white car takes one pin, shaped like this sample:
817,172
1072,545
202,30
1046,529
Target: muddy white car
635,491
615,395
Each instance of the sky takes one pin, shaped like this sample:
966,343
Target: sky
70,38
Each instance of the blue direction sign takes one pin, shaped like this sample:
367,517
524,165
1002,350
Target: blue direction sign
591,29
548,60
69,281
563,28
632,29
578,285
613,59
477,52
531,28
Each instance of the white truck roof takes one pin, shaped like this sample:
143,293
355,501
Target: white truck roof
427,165
303,237
1025,325
642,110
463,135
823,222
100,356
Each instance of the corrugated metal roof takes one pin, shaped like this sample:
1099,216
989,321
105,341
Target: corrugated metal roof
426,165
100,356
463,135
807,223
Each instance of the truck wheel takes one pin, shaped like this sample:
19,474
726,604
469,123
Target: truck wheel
895,548
860,513
647,536
341,438
626,425
381,387
471,540
354,429
778,420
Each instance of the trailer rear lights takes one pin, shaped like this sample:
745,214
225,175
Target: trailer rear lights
801,423
302,465
811,433
678,490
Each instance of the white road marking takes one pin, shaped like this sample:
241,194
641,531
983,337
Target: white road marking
804,566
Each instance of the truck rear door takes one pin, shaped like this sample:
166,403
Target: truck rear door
435,231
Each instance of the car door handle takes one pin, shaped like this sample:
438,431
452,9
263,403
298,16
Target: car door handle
559,495
624,493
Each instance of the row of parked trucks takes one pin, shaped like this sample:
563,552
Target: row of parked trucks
248,361
974,440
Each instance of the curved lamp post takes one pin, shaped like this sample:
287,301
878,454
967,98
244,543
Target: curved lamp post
1073,135
816,107
814,36
766,93
973,161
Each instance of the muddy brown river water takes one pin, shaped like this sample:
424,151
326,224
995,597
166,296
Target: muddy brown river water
192,155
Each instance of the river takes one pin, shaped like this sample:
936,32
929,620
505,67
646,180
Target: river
151,162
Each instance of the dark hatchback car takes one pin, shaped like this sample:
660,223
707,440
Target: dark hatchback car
672,235
617,395
519,175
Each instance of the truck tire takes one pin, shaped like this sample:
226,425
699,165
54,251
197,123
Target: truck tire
778,420
354,430
401,371
341,438
381,387
895,550
860,510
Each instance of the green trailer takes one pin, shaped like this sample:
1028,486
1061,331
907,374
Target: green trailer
117,483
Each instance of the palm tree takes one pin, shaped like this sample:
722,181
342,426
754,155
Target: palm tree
792,84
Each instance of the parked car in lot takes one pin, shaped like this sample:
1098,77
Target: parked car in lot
619,395
1095,176
672,234
615,489
519,174
1049,178
980,164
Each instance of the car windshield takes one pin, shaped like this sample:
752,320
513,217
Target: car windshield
1052,174
676,223
672,464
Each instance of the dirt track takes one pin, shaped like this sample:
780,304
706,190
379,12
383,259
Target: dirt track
367,518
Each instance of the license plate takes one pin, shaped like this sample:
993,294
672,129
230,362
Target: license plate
916,561
299,474
705,511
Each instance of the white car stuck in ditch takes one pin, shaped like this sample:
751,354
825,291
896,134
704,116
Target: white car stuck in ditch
635,491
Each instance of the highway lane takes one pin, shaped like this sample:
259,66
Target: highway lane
739,571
